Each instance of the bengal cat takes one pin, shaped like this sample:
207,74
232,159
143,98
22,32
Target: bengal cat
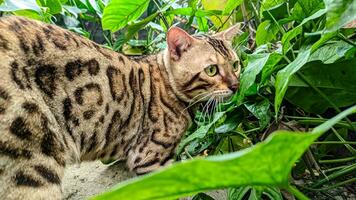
65,99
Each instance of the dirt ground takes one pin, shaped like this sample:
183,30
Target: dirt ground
90,178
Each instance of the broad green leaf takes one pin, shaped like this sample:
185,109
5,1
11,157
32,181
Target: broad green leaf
267,4
231,5
29,14
119,13
255,64
216,5
340,12
305,8
261,111
15,5
277,12
266,32
253,166
336,81
54,6
331,52
284,75
298,30
134,28
94,7
270,67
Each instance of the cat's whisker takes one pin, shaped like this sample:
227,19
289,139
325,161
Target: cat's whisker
205,108
207,112
197,101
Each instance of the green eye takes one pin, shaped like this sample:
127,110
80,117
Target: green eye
212,70
236,66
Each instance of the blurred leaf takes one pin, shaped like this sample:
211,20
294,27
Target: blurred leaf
216,5
118,13
14,5
231,5
340,12
30,14
266,32
255,166
54,6
336,81
94,7
284,75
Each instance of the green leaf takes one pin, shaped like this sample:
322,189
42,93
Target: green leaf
277,12
255,64
266,32
253,166
284,75
336,81
15,5
305,8
340,12
231,5
331,52
260,111
298,30
201,131
267,4
54,6
119,13
238,193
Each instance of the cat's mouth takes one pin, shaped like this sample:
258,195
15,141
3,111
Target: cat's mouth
221,96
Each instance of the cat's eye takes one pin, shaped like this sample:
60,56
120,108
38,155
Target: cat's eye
212,70
236,66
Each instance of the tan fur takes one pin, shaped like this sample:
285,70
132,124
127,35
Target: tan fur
64,99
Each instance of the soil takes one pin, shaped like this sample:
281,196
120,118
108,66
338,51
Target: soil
91,178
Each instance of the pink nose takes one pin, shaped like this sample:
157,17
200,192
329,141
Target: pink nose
234,87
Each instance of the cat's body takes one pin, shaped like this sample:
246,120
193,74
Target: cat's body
63,98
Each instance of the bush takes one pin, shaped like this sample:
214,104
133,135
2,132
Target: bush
299,71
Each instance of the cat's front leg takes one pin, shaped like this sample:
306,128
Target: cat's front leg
149,158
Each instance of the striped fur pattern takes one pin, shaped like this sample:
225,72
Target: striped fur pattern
65,99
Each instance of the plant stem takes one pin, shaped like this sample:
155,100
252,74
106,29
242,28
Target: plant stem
335,175
335,142
338,160
298,194
334,185
347,146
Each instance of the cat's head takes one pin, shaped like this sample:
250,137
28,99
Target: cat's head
202,67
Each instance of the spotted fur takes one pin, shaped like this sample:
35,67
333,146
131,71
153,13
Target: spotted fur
65,99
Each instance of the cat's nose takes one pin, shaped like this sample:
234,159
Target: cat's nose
234,87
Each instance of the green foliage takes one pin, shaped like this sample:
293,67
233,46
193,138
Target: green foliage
253,166
298,70
129,11
340,12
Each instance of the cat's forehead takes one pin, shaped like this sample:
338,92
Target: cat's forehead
223,49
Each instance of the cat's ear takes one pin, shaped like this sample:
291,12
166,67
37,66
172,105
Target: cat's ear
178,42
229,33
